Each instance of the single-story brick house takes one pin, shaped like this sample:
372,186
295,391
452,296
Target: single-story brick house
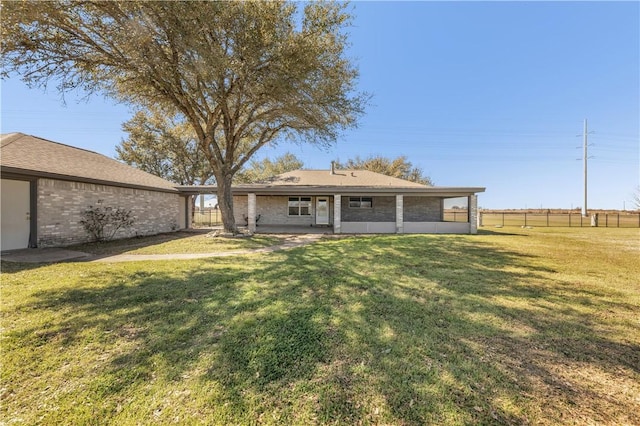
46,186
348,201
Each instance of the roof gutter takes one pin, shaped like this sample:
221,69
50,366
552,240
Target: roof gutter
38,174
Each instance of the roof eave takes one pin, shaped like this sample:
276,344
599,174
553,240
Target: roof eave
39,174
331,190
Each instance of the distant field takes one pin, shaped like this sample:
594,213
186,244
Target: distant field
560,219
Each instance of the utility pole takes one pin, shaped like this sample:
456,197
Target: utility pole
584,157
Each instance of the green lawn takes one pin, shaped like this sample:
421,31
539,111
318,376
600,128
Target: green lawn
516,326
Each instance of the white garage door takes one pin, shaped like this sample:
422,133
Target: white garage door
15,210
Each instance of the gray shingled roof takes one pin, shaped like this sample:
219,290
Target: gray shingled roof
340,178
35,156
340,182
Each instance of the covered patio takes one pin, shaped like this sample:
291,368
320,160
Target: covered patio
346,201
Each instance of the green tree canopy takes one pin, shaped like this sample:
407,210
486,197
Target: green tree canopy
164,147
243,74
399,167
266,168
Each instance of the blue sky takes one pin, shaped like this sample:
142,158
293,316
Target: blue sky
487,94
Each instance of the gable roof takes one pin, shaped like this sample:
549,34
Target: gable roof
34,156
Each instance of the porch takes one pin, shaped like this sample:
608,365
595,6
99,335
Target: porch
351,202
360,213
291,229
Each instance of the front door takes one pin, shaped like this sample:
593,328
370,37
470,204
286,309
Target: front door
16,212
322,210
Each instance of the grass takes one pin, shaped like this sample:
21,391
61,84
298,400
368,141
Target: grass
178,242
519,326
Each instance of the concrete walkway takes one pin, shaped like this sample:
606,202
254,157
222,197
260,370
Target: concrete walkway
53,255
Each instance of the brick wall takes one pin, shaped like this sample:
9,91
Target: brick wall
473,213
383,210
422,209
61,203
240,208
273,210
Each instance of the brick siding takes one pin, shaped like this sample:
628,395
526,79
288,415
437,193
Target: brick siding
422,209
61,203
383,210
273,210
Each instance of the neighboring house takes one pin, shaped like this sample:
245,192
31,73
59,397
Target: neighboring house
348,201
47,185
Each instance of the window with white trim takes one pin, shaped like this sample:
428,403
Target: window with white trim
299,206
360,202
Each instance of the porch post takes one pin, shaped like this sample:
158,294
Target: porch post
472,209
337,207
399,214
251,212
188,211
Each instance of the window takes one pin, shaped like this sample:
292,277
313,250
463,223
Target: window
360,202
299,206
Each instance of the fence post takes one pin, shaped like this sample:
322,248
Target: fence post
569,219
503,219
618,220
606,220
525,219
547,218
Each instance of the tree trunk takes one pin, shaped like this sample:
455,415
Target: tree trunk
225,203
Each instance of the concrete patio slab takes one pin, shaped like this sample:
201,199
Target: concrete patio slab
280,229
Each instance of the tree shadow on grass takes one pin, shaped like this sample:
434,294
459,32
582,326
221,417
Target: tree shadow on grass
125,245
105,248
406,330
13,267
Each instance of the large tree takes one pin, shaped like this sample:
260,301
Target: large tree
399,167
243,74
266,168
165,147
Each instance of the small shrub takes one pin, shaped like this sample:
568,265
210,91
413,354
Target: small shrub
102,223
